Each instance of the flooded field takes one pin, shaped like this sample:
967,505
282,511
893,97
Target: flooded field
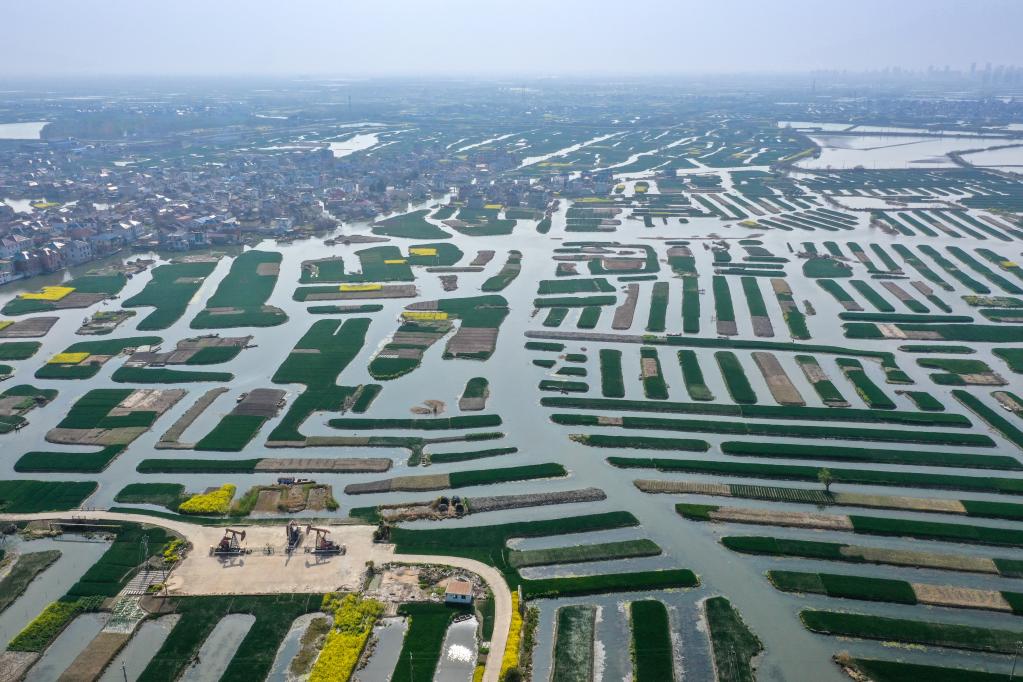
693,336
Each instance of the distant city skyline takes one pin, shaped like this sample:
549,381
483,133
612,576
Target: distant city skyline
49,38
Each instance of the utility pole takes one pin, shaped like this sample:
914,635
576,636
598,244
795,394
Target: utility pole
124,670
1015,655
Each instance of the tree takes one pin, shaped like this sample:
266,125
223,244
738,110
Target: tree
825,478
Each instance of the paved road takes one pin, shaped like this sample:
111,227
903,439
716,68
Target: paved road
502,602
198,536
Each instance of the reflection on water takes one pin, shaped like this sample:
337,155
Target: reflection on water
71,642
458,655
219,648
290,645
388,638
51,584
140,649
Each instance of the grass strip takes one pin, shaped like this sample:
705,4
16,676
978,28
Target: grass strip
651,641
734,644
68,462
761,411
27,496
658,307
735,378
573,644
169,291
26,568
612,384
795,472
872,455
927,633
654,386
641,581
996,421
607,551
421,649
781,430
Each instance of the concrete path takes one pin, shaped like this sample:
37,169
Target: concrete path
359,544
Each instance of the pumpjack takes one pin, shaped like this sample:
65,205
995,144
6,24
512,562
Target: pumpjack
323,544
294,536
230,544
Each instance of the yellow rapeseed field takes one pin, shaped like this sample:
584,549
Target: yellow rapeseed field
360,287
353,624
48,294
422,251
422,315
511,648
216,502
67,358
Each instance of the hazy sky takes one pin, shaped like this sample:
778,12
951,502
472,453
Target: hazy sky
455,37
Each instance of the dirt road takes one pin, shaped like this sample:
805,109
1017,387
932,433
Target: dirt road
262,573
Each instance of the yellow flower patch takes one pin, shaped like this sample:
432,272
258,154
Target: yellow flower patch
67,358
422,251
48,294
361,287
216,502
353,624
394,261
424,315
4,324
495,206
511,648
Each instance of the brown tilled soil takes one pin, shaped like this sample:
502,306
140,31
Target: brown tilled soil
694,487
896,291
727,328
317,497
762,326
191,414
899,557
14,664
482,258
649,367
268,500
926,504
960,597
33,327
324,464
77,299
627,310
780,518
89,664
781,387
472,340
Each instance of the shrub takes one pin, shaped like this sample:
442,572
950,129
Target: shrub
38,634
353,624
215,502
